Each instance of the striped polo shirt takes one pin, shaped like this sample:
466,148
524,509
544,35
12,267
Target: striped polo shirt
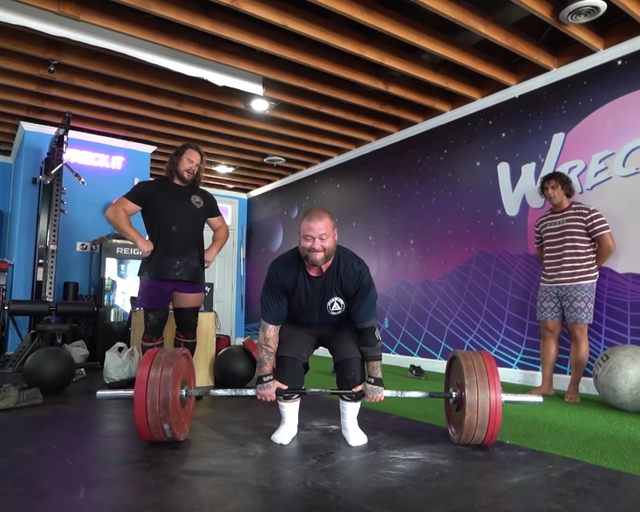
568,240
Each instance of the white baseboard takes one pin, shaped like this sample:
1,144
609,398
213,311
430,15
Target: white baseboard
525,377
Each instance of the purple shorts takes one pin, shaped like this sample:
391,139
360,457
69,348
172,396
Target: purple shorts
157,294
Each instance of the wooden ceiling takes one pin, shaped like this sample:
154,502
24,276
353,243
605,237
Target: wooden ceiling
341,73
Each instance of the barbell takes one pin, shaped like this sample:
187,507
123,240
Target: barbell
164,396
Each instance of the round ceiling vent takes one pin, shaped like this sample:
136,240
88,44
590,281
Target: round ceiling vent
274,160
582,11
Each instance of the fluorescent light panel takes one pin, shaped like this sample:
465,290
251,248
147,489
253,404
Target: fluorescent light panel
59,26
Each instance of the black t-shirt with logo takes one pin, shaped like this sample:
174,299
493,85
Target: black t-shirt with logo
174,217
345,292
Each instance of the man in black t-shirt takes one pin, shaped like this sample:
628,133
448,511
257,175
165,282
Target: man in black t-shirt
174,209
319,294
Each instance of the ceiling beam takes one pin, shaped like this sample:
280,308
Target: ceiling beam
57,97
549,12
199,114
410,32
12,103
6,127
162,32
218,23
308,25
293,97
631,7
477,21
92,60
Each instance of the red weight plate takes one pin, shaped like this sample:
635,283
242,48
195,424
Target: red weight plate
176,412
153,395
252,346
495,387
461,415
483,397
140,395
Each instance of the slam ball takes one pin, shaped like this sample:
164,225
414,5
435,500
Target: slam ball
616,377
234,367
51,369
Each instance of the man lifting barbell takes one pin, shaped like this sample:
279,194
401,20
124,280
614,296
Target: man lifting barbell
165,390
319,294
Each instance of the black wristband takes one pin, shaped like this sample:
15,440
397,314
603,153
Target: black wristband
375,381
264,379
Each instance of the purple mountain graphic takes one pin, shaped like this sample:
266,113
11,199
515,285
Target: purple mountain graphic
489,303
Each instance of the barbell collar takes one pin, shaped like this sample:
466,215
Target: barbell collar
127,394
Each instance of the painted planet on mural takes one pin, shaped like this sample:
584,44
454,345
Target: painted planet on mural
606,145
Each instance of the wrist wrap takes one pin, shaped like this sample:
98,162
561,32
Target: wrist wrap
375,381
264,379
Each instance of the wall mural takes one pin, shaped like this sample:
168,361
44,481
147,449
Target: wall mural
445,219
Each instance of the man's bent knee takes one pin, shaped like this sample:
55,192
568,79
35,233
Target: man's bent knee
370,343
290,372
155,321
186,328
350,374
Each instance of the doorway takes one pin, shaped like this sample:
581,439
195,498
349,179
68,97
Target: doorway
223,271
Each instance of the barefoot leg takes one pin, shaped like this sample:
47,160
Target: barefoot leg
578,302
548,355
579,356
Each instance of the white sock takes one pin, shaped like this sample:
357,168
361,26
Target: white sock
288,424
351,431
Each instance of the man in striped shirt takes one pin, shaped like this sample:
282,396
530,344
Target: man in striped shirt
573,241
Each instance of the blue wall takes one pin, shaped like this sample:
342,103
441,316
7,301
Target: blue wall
5,200
86,206
22,223
240,268
85,218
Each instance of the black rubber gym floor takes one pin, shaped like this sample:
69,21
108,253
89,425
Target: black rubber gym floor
74,453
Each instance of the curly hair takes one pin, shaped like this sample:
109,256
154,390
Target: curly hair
562,179
171,166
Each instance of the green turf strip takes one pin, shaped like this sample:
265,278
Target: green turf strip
589,431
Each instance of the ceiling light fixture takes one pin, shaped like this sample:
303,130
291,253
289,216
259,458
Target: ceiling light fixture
223,169
577,12
260,104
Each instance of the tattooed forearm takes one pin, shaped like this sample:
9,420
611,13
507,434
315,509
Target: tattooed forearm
374,368
267,347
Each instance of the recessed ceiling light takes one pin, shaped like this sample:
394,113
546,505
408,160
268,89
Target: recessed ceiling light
260,104
224,169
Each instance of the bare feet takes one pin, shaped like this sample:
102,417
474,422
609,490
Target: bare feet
571,396
541,390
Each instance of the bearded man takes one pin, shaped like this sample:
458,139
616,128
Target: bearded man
174,209
319,294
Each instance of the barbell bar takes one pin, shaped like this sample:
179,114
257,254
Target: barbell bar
127,394
164,396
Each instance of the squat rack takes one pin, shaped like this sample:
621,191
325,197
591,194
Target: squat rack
50,208
50,202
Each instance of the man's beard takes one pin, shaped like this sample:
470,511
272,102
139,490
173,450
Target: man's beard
317,258
184,179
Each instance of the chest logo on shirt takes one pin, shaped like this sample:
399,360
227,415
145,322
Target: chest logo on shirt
197,201
335,306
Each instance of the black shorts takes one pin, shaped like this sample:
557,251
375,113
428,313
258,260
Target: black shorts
300,342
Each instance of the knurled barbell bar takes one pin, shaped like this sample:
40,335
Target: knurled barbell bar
163,396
